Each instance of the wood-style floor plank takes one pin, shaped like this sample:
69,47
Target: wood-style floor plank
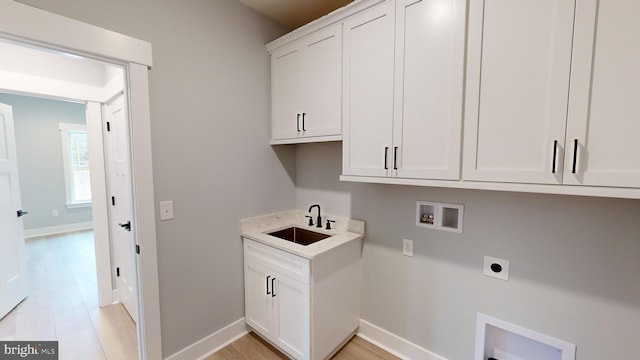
63,303
253,347
116,331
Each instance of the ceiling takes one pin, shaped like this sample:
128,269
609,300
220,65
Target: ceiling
294,13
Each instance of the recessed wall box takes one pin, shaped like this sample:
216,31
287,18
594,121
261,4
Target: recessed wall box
439,216
426,214
501,340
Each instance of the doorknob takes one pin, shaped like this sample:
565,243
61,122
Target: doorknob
126,226
22,213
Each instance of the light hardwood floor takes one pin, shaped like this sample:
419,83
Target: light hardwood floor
253,347
63,303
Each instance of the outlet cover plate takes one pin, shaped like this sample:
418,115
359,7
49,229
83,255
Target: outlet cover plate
496,268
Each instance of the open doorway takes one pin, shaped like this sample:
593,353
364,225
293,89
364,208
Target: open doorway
97,90
75,37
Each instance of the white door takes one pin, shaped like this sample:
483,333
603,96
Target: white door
368,53
518,66
430,40
121,209
322,83
603,127
13,277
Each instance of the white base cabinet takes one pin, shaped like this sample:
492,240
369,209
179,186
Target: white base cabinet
307,308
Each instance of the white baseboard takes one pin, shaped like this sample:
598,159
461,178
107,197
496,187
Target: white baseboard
383,339
394,344
60,229
212,343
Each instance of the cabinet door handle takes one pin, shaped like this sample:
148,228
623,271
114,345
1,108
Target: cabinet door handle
555,157
298,122
303,128
574,167
273,289
386,151
268,293
395,158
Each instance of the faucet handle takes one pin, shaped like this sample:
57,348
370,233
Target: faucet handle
310,220
329,224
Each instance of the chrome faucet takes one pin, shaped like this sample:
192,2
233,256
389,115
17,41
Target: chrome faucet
319,222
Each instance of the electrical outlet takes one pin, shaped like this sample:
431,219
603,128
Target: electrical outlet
166,210
55,213
407,247
497,268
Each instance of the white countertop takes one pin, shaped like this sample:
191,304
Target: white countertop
343,231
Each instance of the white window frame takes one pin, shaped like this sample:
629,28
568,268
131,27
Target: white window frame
65,128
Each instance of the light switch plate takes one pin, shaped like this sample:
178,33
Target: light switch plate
166,210
407,247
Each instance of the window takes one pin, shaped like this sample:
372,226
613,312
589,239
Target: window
75,155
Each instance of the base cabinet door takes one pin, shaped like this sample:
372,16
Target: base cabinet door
518,67
258,298
603,126
292,317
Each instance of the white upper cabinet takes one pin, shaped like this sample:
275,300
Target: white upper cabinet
368,92
403,81
306,83
604,120
429,69
519,61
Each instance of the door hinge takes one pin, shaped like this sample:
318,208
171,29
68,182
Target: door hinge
118,272
113,200
137,249
108,126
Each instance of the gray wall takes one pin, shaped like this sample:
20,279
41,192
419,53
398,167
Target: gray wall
40,164
209,90
575,262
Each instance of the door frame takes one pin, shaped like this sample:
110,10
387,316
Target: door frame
64,34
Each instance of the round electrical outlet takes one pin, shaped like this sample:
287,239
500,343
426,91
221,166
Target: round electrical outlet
496,268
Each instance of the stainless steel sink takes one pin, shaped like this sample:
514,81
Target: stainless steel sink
299,236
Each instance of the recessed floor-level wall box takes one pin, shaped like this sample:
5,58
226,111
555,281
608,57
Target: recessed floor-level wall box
500,340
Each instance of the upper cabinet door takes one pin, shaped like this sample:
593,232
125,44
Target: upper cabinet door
286,89
604,124
429,75
322,83
519,55
368,49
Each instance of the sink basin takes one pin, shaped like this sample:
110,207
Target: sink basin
299,236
